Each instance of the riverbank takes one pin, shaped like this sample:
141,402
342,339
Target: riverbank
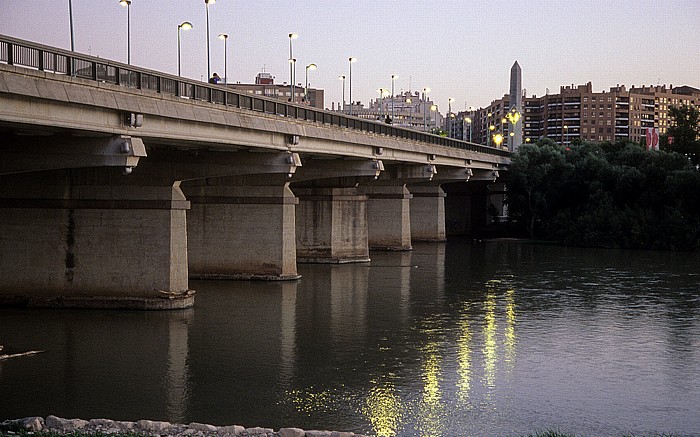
75,427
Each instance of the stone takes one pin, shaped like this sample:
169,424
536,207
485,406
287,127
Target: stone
32,423
151,425
316,433
259,431
234,430
124,425
291,432
105,423
59,424
203,427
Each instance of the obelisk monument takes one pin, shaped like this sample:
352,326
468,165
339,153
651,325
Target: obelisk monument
516,101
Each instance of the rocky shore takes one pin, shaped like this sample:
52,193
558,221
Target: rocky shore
58,425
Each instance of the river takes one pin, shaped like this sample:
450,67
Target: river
461,338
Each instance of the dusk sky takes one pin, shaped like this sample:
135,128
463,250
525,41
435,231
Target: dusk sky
459,49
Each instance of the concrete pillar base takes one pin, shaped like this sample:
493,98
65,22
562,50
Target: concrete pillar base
427,213
388,217
241,232
63,244
331,226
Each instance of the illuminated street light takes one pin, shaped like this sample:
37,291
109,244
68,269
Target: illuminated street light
186,26
224,37
306,90
351,61
498,139
468,120
292,65
382,93
127,4
70,16
433,108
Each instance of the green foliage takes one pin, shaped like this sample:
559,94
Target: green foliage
685,132
606,195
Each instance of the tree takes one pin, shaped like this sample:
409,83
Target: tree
684,133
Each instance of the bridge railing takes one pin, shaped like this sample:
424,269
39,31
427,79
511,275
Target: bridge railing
14,51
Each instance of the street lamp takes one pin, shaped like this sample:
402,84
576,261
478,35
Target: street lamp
72,37
224,37
468,120
342,77
292,65
382,93
449,105
306,91
498,139
187,26
206,6
351,60
425,101
566,134
393,77
127,4
433,108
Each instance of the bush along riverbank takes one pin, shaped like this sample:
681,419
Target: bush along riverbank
56,426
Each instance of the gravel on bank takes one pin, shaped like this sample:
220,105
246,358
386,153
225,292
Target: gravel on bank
53,424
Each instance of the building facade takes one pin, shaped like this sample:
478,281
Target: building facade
412,110
265,86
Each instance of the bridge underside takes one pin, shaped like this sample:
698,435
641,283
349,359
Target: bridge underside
102,211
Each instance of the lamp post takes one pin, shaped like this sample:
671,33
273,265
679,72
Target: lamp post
187,26
342,77
72,37
311,67
425,101
433,108
127,4
393,78
566,134
382,93
351,61
206,6
292,65
224,37
468,120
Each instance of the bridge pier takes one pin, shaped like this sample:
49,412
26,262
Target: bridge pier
427,213
331,225
241,231
80,238
388,217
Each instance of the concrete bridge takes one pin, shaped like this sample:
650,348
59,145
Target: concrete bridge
117,183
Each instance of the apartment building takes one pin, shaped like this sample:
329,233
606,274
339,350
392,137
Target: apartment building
577,112
265,86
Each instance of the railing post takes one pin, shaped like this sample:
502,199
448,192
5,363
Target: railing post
41,60
10,57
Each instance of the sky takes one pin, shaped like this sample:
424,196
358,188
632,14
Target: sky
459,49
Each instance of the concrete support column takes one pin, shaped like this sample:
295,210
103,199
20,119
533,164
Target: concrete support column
427,213
331,225
242,231
388,217
72,245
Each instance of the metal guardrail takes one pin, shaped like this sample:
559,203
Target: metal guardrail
21,53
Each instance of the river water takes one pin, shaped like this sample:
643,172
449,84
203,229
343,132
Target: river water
460,338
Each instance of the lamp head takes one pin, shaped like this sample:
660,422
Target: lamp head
352,60
186,25
311,67
210,2
293,36
341,77
125,2
223,36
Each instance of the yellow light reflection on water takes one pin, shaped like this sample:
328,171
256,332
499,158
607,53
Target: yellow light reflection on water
464,355
383,409
430,422
509,335
490,347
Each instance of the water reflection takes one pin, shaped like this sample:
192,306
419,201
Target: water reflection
449,339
